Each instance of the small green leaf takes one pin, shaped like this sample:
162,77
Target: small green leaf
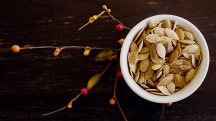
93,81
104,55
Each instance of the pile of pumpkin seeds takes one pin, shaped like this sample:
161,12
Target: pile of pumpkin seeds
163,57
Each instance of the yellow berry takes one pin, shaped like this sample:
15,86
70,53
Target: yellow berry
95,17
91,20
104,7
86,52
15,48
87,48
69,106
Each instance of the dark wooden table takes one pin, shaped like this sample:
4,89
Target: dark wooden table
34,82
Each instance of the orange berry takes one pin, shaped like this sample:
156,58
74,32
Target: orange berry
91,20
111,57
115,56
108,10
121,41
112,101
169,104
69,106
104,7
15,48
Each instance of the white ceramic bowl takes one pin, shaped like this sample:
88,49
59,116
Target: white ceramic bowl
190,87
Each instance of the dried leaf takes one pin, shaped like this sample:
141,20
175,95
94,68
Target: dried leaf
93,81
104,55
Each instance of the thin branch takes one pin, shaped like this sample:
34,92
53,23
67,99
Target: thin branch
118,21
92,20
54,111
114,94
162,112
74,98
70,47
106,68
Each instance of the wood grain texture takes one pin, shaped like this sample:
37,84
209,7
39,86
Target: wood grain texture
33,82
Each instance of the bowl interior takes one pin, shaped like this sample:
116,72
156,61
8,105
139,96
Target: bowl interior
190,87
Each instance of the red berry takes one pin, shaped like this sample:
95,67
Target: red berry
120,74
119,27
84,91
169,104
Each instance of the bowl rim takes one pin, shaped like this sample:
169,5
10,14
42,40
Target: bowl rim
190,87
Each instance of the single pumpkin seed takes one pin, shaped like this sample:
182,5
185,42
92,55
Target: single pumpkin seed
144,50
141,78
167,24
171,34
166,69
191,49
156,66
164,90
180,33
152,24
171,87
189,35
161,51
179,81
165,81
143,56
144,86
144,65
190,75
153,38
160,31
187,41
193,60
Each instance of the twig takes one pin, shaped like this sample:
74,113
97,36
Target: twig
162,112
54,111
74,98
69,47
114,94
92,20
118,21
